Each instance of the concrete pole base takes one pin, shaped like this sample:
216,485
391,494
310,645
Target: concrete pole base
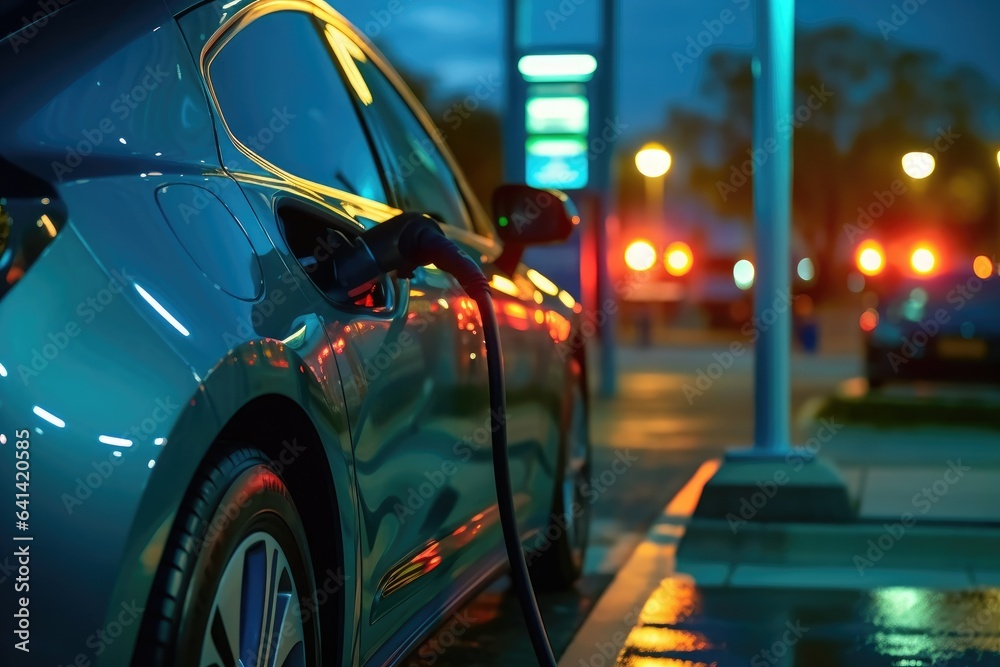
788,487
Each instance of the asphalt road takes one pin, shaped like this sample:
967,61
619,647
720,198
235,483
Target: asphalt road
676,407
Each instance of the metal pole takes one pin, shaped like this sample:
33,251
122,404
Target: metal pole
513,116
607,78
773,74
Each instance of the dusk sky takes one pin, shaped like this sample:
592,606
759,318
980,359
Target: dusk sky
456,42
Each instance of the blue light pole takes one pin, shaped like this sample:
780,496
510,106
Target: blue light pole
772,196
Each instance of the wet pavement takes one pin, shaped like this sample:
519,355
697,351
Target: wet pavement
684,625
672,433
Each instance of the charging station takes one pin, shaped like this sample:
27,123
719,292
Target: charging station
560,131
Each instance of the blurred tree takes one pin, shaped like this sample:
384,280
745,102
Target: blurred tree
860,104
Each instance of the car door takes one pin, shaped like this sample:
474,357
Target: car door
422,179
457,487
409,353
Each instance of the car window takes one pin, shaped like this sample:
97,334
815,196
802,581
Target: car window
424,181
283,98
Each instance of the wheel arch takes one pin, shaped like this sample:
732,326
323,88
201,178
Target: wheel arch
288,416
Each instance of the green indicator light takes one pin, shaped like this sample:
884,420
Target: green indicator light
503,221
561,67
558,115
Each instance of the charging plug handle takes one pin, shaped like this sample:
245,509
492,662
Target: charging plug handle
401,244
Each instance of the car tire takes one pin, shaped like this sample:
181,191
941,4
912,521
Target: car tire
237,552
557,556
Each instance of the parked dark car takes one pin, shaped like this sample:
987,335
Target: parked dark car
942,328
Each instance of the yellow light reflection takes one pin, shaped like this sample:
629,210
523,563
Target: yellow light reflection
651,639
645,661
566,299
47,223
347,52
982,266
504,284
541,282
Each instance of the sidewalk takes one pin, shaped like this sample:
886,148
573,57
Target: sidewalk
905,583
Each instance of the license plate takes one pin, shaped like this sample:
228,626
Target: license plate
960,348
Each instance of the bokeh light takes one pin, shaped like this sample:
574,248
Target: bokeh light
806,269
678,258
922,260
653,160
743,274
982,266
869,320
918,164
871,258
640,255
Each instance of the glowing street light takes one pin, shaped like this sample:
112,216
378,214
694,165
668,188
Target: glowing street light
922,260
678,258
640,255
871,258
653,160
918,164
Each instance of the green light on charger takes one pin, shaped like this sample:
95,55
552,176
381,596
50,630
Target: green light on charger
558,115
561,67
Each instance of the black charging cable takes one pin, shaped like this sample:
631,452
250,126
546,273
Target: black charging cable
402,244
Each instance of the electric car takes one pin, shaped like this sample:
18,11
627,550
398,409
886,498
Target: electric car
217,455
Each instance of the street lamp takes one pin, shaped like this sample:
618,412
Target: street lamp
653,161
918,164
